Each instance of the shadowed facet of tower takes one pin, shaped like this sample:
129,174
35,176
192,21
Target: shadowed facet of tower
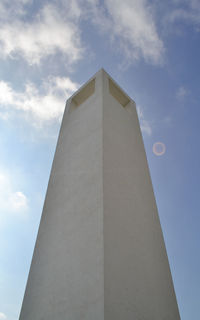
100,253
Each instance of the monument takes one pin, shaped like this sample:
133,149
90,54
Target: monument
100,253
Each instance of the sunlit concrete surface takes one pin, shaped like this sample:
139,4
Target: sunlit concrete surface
100,253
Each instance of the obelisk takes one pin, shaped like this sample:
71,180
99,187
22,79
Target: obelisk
100,253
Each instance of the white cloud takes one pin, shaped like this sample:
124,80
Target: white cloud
144,124
39,106
11,200
132,24
2,316
56,29
51,31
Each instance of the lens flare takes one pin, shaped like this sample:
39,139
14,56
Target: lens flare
159,148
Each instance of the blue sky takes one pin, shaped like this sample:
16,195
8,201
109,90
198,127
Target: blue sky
47,50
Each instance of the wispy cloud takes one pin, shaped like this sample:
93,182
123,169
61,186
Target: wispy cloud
18,201
181,93
11,200
2,316
144,123
131,24
51,31
38,106
186,11
13,9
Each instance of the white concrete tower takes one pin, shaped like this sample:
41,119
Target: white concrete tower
100,253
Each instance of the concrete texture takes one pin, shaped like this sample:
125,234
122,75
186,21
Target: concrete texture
100,253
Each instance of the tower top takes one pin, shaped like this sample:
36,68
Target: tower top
88,88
